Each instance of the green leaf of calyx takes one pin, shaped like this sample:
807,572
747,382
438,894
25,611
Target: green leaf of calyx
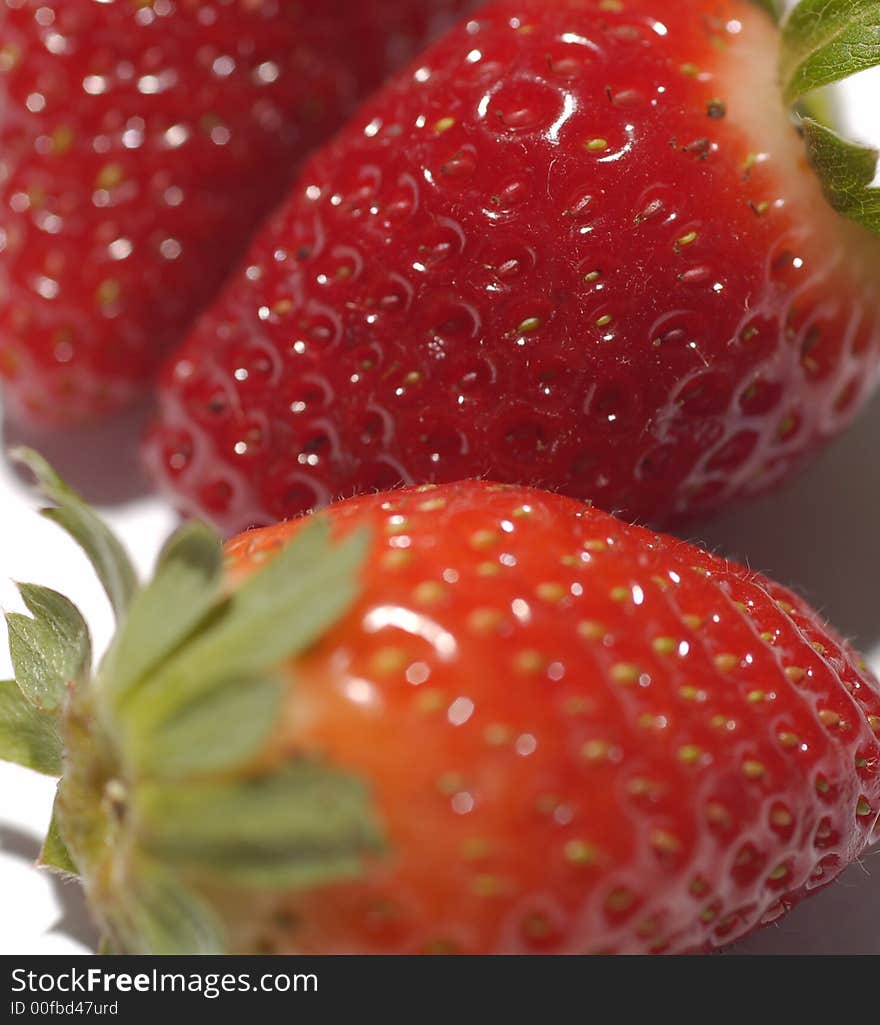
50,651
846,171
155,914
275,614
184,588
28,737
219,731
108,557
825,41
55,854
299,826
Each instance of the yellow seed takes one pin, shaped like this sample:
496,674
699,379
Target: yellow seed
488,569
863,808
575,706
620,594
433,504
397,558
690,754
692,622
619,900
726,662
475,848
692,694
718,815
581,853
625,673
595,546
550,592
388,661
450,783
529,325
590,630
691,70
795,673
780,872
788,739
486,886
529,661
483,621
62,139
664,645
444,124
698,887
664,842
874,723
604,320
497,735
829,718
753,769
110,176
768,637
595,750
687,239
819,648
429,592
596,145
755,697
647,721
822,785
483,539
781,817
107,292
786,607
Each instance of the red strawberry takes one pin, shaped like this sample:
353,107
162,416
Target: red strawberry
577,245
573,734
141,142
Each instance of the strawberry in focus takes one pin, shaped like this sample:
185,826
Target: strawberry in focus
576,245
142,143
529,728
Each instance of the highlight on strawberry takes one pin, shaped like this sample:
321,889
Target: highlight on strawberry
578,244
141,144
470,718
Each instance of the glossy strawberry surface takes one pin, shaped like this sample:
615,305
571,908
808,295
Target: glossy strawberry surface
577,245
141,141
581,736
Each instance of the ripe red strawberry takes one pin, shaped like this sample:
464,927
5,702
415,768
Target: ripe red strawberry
573,735
576,245
140,144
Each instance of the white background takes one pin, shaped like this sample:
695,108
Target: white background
821,535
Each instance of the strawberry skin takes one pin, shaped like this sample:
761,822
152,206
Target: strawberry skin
141,143
577,245
581,736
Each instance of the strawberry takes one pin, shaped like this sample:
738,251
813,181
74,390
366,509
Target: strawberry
576,245
481,718
142,141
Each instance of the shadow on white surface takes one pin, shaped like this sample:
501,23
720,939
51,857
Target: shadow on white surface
73,922
102,462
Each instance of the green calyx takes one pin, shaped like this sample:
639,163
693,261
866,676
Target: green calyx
824,42
168,808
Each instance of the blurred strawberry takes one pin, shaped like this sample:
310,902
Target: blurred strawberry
141,142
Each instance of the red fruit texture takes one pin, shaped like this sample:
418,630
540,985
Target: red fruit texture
581,736
141,142
576,245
